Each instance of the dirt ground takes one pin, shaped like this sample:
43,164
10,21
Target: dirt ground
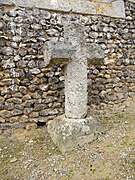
31,155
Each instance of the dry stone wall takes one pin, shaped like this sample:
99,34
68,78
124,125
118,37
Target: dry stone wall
30,92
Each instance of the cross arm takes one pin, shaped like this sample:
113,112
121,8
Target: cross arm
57,52
95,54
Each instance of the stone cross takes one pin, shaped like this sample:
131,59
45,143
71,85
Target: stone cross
76,55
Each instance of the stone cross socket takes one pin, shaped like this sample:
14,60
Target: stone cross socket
74,52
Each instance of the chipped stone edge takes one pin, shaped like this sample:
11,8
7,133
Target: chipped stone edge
114,9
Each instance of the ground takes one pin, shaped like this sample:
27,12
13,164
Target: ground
31,155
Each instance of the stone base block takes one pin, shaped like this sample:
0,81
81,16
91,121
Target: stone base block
68,134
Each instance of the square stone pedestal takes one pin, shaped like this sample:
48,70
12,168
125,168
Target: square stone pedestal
68,134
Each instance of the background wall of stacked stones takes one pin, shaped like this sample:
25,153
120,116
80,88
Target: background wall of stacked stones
29,92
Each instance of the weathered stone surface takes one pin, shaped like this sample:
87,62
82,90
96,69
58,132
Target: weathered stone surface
68,134
2,120
2,100
39,106
35,71
23,89
22,52
113,8
8,51
1,25
8,64
16,112
76,89
34,115
27,111
73,53
2,41
48,112
24,119
31,126
15,125
17,100
57,53
95,55
8,106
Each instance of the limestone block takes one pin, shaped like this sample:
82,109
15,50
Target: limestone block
68,134
108,8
